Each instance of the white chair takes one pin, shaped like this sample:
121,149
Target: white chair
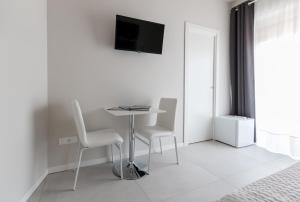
94,139
164,127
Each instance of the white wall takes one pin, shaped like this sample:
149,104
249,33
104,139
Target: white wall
23,98
83,63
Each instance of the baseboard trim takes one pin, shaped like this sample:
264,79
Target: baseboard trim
85,163
34,187
102,160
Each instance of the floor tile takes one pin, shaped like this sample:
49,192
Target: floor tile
36,196
229,165
207,171
95,183
280,164
207,193
244,178
168,181
260,154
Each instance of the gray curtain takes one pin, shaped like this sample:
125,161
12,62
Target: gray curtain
242,60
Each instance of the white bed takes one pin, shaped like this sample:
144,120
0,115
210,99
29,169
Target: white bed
283,186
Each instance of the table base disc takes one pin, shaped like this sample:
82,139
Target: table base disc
131,171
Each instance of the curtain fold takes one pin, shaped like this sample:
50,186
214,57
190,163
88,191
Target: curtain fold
277,70
274,19
242,60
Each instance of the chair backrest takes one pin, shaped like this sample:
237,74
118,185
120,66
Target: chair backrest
81,130
167,119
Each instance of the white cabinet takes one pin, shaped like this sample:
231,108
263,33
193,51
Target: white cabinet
234,130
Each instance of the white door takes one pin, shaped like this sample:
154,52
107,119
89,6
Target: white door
200,61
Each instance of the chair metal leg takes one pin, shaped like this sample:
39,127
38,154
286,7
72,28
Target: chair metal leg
112,153
175,142
149,155
119,146
77,157
160,146
78,167
121,159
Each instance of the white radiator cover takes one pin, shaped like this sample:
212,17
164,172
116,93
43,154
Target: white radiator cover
234,130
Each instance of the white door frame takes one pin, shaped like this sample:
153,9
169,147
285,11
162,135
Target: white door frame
215,33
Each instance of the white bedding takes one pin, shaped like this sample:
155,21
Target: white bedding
283,186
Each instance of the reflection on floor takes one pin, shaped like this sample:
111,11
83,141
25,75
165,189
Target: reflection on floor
207,171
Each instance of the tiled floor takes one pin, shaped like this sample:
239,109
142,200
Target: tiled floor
207,171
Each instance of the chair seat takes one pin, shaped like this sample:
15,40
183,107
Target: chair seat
103,137
154,131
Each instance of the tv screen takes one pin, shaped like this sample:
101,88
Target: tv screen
138,35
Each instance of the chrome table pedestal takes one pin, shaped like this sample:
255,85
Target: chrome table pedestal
131,170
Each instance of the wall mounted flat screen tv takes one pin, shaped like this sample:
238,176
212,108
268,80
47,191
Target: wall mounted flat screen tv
138,35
